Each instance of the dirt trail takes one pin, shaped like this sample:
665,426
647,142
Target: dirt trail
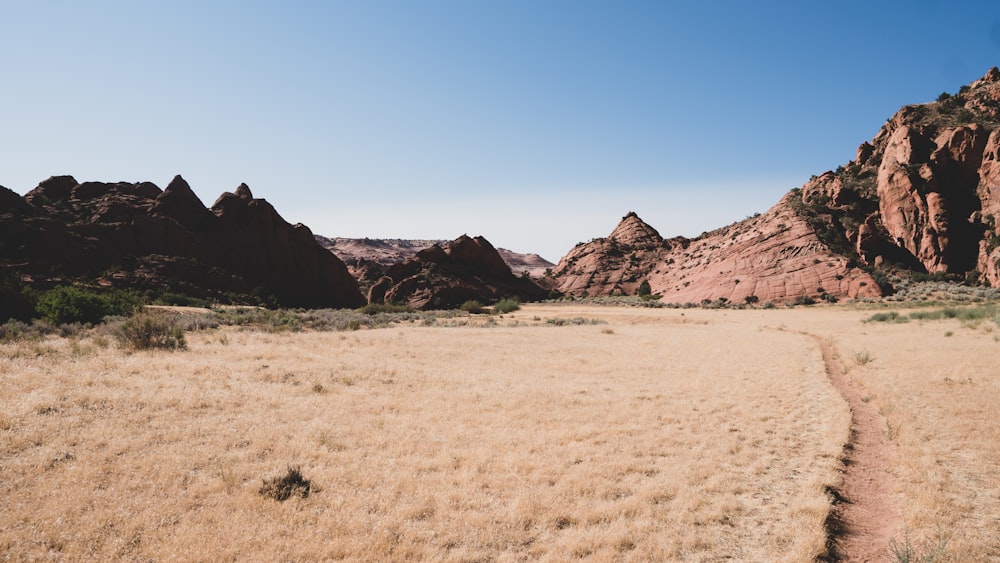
865,517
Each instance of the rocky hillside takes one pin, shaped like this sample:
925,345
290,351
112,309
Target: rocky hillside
139,236
368,259
922,197
445,276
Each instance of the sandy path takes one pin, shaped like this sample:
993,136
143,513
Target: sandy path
865,516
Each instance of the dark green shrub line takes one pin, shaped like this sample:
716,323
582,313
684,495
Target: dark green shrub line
965,314
72,304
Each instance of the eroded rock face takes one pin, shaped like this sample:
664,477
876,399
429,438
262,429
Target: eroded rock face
922,196
772,257
445,276
135,235
617,264
927,186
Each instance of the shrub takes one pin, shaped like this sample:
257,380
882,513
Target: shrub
472,306
71,304
285,487
645,289
376,308
888,317
145,332
804,300
506,305
181,300
13,330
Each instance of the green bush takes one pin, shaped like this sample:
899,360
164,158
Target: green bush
644,289
506,305
146,332
71,304
472,306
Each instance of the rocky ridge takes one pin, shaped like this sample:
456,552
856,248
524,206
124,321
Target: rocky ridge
369,259
446,275
922,197
135,235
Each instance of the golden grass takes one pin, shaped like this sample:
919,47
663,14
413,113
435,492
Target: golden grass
938,385
662,435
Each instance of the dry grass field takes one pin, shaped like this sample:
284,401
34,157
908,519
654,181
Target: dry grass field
938,385
685,435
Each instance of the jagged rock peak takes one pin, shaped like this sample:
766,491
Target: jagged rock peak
243,191
180,202
633,230
177,184
992,75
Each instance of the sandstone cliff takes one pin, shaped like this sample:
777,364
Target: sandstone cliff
922,197
445,276
135,235
773,257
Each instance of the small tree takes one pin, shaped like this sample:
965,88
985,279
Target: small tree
644,289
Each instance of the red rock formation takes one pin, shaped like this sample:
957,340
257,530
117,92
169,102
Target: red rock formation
773,257
136,235
922,196
442,277
614,265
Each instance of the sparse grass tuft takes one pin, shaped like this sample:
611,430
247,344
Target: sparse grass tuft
560,321
887,317
907,551
863,358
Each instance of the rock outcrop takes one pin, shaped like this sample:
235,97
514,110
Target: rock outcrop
136,235
922,197
445,276
773,257
369,259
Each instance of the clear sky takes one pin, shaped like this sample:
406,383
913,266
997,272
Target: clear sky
536,123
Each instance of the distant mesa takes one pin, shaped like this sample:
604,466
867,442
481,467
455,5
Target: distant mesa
445,276
133,235
922,197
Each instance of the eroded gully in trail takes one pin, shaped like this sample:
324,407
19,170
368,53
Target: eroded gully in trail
865,516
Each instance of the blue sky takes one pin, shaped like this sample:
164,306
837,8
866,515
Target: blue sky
537,124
